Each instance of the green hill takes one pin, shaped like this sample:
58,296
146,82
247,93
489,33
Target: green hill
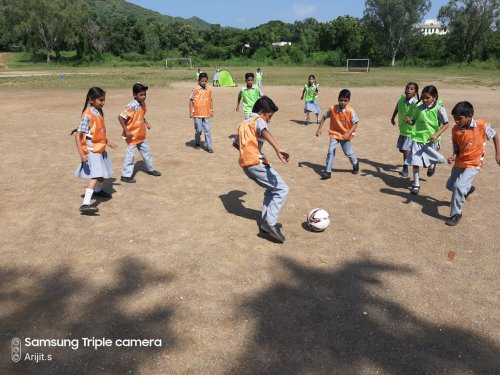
120,8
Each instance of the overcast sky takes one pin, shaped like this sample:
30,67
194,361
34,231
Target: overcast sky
255,12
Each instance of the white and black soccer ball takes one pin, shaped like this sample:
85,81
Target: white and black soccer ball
318,220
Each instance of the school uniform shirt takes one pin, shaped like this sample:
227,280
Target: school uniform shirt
134,114
250,141
469,144
93,131
202,101
341,126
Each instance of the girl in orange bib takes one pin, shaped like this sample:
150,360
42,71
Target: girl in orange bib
91,142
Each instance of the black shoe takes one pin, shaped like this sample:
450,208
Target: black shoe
154,172
197,146
471,190
414,189
355,168
431,171
326,175
274,231
128,180
453,220
101,194
88,209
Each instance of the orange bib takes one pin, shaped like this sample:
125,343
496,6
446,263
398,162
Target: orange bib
470,143
202,102
340,122
136,125
97,132
249,144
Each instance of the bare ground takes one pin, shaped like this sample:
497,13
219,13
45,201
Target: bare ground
387,288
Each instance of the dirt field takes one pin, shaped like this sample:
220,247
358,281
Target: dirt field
388,288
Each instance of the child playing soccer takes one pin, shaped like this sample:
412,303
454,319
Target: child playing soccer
201,109
134,126
429,120
310,97
249,94
249,141
469,139
404,106
343,124
91,142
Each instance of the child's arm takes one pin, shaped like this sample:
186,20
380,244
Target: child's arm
111,144
394,115
437,134
78,136
238,103
211,106
123,123
318,132
282,154
496,142
451,158
148,125
350,131
190,108
303,93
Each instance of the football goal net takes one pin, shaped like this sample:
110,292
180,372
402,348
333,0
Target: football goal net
358,65
178,62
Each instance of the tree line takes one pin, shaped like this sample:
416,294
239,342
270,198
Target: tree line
385,34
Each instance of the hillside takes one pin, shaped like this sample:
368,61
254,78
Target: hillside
120,8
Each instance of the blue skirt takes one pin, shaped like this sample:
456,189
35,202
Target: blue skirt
312,107
96,166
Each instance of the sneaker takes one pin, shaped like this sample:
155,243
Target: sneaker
101,194
197,146
88,209
326,175
404,172
308,121
453,220
210,151
273,231
355,168
154,172
128,180
414,189
471,190
431,171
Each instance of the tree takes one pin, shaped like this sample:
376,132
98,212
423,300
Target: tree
471,24
393,21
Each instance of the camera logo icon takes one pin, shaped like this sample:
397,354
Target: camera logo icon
15,349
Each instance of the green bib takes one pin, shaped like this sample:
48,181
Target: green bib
426,123
405,109
258,77
311,95
249,97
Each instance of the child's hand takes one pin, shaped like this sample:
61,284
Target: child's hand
237,108
497,158
212,113
283,155
127,134
451,159
112,145
346,136
393,122
407,119
84,158
433,138
148,125
318,132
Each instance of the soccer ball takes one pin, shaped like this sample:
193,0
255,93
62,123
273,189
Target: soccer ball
318,220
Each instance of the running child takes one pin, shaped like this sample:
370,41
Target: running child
429,120
258,78
249,141
404,106
91,142
201,109
343,124
469,140
310,97
134,126
249,94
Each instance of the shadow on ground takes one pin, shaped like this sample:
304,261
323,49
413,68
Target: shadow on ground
320,322
60,305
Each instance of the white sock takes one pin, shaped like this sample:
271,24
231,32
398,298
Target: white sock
88,196
98,188
416,178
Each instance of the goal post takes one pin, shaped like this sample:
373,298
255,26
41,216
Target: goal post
172,62
358,65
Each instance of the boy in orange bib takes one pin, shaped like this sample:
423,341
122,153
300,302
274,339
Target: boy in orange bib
134,126
469,139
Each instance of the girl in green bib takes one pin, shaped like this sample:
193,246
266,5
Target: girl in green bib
429,121
310,97
404,107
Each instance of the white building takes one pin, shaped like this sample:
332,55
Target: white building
281,44
431,27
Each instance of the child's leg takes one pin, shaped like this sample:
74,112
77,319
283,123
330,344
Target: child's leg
276,190
128,163
197,130
145,152
416,175
90,190
206,129
330,156
349,152
460,183
308,119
